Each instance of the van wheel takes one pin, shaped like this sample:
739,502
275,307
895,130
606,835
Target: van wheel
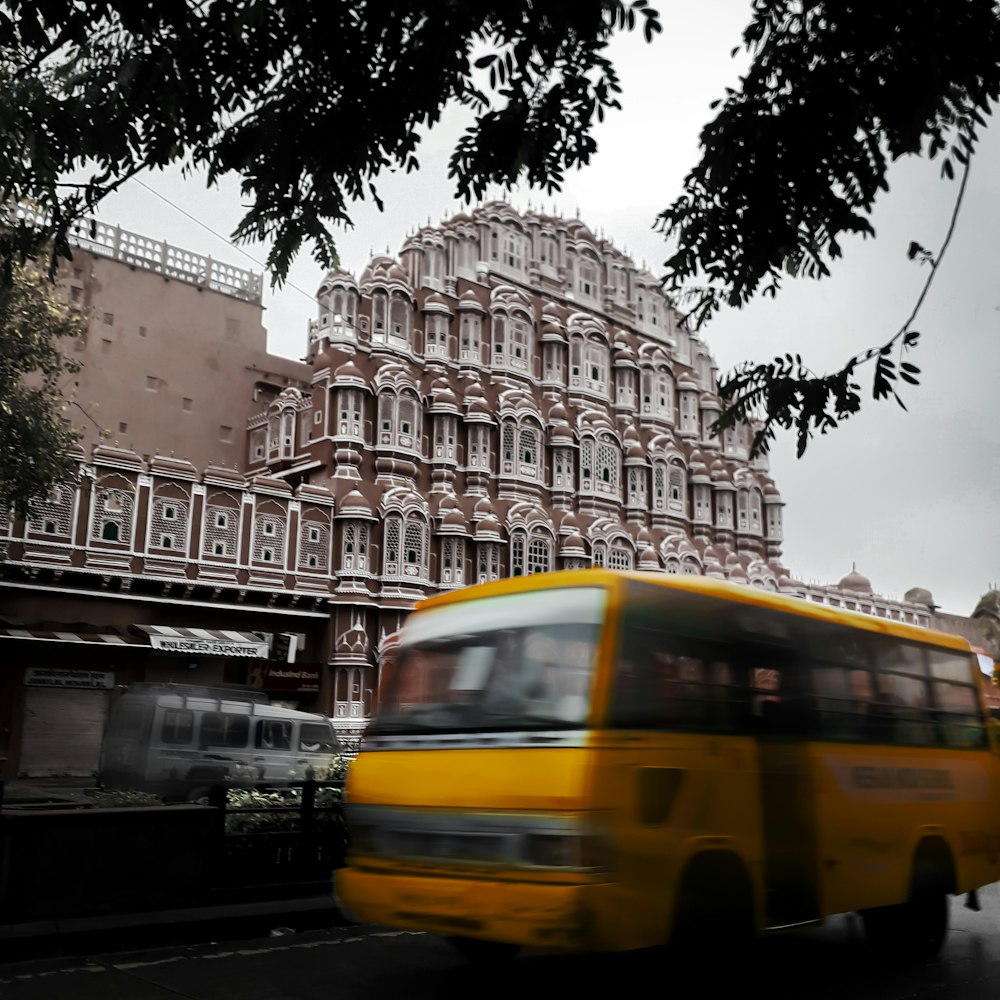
479,952
913,931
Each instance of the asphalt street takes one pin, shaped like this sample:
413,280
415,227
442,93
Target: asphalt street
370,963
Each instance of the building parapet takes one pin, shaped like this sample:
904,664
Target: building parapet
159,257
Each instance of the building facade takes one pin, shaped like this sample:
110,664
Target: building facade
511,395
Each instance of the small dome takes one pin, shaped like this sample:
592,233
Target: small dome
442,396
219,474
453,519
720,474
349,372
436,303
572,545
483,508
918,595
107,454
488,527
323,357
569,523
314,491
557,413
857,582
469,302
270,484
649,560
354,503
172,467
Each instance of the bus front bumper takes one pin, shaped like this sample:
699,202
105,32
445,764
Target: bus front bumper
530,914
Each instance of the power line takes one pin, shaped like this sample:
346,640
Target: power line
219,236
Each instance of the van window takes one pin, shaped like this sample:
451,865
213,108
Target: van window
316,738
178,726
130,721
272,735
219,729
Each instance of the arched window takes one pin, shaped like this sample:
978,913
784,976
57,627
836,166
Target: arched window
620,555
677,500
488,561
755,512
529,453
436,336
398,420
659,486
380,317
471,338
479,446
530,553
110,532
405,547
349,412
453,561
520,450
552,362
637,487
743,510
609,460
587,455
444,436
399,319
511,341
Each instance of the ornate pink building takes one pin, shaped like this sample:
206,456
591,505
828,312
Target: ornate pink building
512,395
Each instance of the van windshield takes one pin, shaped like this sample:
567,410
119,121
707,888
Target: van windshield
515,662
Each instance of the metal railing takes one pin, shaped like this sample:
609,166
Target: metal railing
158,256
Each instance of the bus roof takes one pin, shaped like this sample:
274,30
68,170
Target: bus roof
721,589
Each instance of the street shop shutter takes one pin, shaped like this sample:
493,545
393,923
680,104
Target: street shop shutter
63,731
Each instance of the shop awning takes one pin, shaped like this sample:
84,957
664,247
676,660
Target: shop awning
204,641
51,635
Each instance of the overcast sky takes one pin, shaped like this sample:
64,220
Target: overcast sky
910,498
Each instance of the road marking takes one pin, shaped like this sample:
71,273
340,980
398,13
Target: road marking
94,967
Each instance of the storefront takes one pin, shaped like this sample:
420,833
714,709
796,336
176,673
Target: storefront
59,681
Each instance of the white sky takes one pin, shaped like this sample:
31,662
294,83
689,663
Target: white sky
910,498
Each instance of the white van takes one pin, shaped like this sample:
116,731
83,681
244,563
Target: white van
177,740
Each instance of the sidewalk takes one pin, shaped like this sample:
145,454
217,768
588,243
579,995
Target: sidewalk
83,934
159,928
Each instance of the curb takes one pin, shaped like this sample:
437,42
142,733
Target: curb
63,926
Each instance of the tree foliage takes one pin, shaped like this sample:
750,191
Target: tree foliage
308,101
795,158
34,443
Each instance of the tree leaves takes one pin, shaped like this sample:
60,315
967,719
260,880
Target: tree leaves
796,156
307,101
34,441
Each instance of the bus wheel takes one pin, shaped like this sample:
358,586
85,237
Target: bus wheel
479,952
913,931
715,909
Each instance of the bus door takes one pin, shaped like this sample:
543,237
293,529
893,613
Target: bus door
787,790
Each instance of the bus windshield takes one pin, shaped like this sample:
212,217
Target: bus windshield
514,662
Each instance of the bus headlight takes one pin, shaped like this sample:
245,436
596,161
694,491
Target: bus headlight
576,851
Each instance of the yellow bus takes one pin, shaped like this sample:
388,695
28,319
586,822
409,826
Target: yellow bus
596,760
